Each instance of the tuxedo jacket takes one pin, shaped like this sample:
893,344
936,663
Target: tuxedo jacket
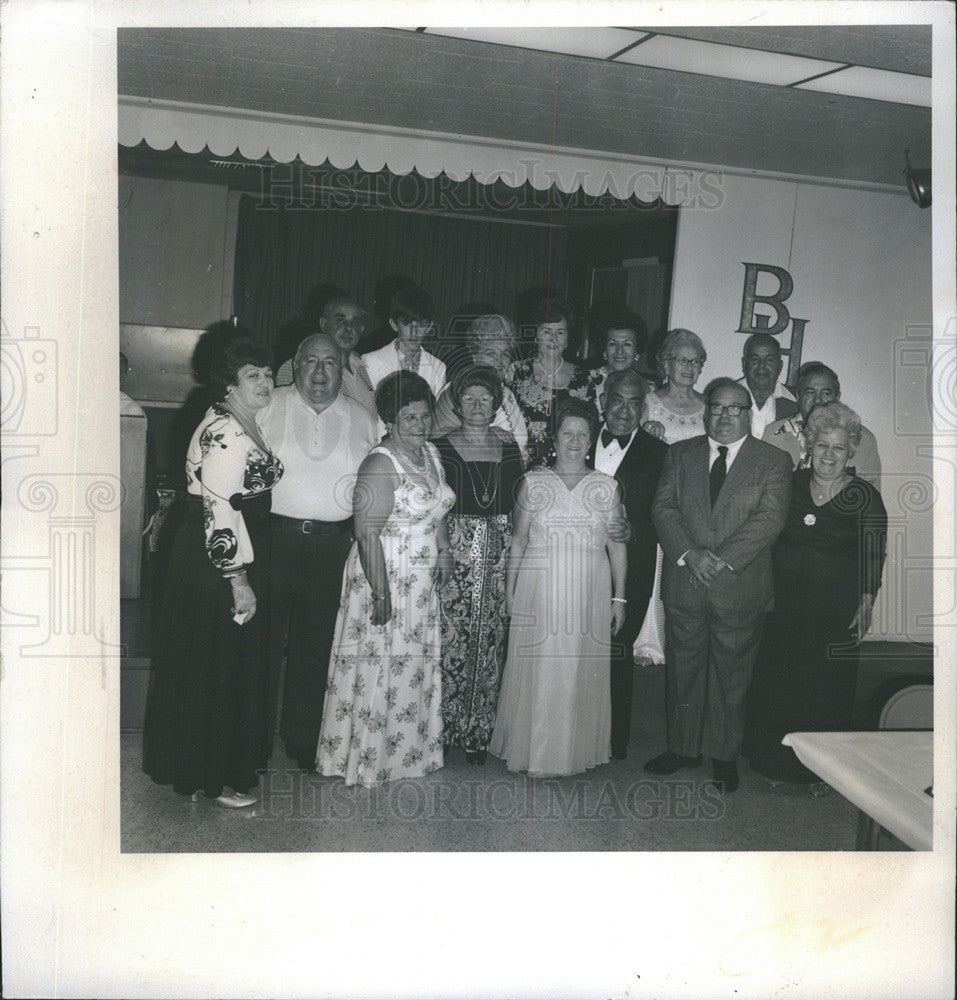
747,518
386,360
638,475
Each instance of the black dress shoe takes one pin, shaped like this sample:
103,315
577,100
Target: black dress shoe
303,758
619,753
725,775
669,762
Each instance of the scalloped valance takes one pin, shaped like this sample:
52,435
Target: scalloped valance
256,134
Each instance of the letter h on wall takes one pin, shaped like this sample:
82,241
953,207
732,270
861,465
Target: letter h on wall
752,322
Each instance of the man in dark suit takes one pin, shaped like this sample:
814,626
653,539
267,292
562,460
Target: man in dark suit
634,458
722,501
761,362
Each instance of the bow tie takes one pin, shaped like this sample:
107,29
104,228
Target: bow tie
607,437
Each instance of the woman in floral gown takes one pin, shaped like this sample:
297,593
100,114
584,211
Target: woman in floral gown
382,712
546,378
206,723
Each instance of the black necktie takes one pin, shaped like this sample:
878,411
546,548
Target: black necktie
607,437
718,471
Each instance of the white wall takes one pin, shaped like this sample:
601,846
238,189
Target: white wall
861,264
175,252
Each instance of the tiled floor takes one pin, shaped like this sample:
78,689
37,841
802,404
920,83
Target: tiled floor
615,807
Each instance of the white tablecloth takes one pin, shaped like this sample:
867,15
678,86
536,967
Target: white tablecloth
883,773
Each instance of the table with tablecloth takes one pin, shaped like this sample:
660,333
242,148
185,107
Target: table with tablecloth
885,774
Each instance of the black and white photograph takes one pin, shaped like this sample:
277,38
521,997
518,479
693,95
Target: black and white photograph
501,472
386,612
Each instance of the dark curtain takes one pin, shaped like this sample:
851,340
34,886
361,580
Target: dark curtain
282,253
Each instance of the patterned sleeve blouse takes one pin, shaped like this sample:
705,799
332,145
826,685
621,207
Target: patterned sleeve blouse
226,468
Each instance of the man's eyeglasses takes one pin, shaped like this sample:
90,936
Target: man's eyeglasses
734,410
344,322
695,363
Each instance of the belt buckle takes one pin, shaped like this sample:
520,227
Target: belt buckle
307,527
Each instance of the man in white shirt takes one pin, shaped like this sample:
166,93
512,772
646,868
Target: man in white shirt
344,320
321,437
771,400
722,501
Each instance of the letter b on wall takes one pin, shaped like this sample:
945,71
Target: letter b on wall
749,321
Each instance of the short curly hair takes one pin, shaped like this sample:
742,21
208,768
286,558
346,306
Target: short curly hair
475,375
674,339
492,326
397,390
833,417
572,407
227,363
623,318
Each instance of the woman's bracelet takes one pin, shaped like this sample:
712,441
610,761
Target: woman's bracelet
620,600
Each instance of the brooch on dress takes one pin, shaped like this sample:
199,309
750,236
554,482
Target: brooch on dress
810,520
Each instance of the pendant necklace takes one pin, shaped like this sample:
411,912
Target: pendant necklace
489,489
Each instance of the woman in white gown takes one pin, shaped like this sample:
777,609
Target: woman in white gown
672,413
565,594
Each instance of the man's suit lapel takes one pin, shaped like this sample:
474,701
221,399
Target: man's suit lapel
698,483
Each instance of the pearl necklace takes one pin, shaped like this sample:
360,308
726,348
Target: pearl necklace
547,377
823,495
419,467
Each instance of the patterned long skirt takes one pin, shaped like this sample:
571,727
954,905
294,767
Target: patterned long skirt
474,629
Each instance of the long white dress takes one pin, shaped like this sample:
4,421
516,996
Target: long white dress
382,715
650,645
554,711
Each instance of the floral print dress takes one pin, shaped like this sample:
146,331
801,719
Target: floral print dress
538,404
382,716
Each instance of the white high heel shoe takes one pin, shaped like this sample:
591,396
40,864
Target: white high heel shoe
235,800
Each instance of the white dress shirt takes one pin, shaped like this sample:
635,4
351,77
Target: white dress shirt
320,452
608,459
733,450
767,414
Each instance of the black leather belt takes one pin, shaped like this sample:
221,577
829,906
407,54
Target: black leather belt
307,527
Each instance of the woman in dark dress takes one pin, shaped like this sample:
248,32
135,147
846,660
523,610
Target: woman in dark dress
546,378
206,727
828,562
484,471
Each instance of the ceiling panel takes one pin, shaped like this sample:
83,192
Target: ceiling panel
730,61
903,48
879,84
424,81
595,43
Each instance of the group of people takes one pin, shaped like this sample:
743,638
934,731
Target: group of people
389,556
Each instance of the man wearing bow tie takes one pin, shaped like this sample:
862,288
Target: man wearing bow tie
634,458
721,503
